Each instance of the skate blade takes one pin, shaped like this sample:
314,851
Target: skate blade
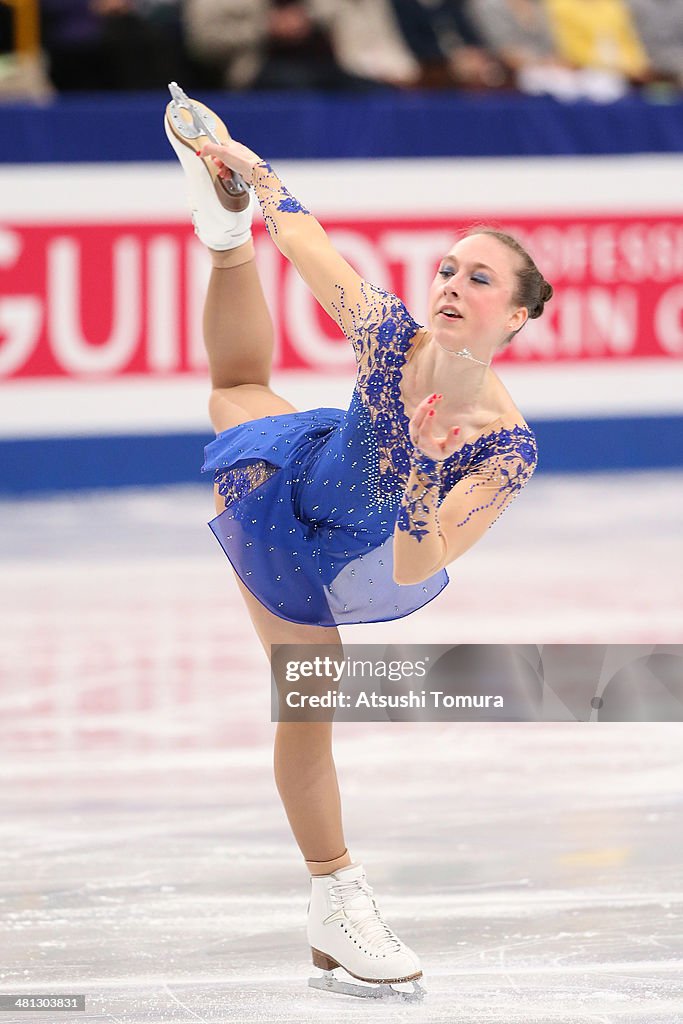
398,991
201,122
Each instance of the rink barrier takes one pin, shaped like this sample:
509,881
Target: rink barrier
105,127
43,465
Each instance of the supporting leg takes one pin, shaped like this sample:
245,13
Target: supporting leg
305,773
366,949
306,779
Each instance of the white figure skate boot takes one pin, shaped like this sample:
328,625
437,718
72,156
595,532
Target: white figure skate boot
345,930
221,207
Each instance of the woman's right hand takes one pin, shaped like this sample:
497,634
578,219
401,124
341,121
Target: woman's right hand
232,156
422,432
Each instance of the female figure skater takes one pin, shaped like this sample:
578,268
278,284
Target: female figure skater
329,516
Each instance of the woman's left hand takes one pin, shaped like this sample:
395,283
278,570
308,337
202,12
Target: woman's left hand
422,431
232,156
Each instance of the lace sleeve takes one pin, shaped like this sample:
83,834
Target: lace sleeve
477,485
483,493
358,307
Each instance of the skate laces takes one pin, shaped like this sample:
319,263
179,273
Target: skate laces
370,924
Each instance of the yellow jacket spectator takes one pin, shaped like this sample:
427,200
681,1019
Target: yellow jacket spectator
597,34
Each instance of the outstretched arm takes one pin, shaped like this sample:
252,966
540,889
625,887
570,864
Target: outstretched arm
428,535
342,292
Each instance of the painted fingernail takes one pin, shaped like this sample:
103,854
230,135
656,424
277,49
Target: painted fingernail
456,430
439,396
429,401
197,152
431,413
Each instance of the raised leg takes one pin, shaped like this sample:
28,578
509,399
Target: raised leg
238,334
237,328
238,331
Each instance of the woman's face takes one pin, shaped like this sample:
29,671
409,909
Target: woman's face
471,297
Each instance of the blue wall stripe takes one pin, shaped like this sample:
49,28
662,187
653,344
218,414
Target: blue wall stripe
648,442
77,463
69,464
109,127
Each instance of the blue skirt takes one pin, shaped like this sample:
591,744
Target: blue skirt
302,563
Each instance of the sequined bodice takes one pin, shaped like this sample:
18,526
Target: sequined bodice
368,458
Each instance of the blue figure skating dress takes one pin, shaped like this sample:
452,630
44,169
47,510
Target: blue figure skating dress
312,498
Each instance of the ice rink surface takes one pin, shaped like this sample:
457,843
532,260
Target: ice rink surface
145,859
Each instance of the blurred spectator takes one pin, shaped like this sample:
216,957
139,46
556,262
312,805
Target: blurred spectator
447,44
598,34
568,48
299,44
368,41
6,28
517,31
227,35
23,74
111,44
660,23
164,30
297,52
73,39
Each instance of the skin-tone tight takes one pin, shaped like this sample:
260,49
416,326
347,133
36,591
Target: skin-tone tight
238,335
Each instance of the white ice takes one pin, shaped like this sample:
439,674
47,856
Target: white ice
145,859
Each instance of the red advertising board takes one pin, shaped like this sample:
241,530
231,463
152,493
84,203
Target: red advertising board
105,300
